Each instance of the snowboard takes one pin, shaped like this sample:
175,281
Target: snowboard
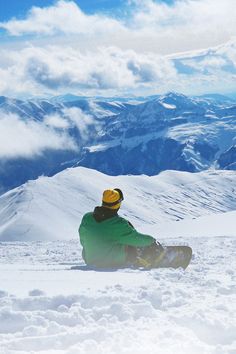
169,257
173,257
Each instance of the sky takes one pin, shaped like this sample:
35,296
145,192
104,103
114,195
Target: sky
133,47
16,8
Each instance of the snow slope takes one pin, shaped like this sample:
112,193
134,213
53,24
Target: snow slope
210,226
47,307
51,208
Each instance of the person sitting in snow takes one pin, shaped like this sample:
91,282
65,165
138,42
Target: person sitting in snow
110,241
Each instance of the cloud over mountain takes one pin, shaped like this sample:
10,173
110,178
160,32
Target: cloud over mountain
22,138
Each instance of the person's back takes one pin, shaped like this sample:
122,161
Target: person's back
108,238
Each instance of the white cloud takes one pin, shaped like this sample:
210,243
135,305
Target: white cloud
112,71
56,121
185,25
99,54
54,68
80,120
73,117
229,51
64,17
151,26
211,64
21,138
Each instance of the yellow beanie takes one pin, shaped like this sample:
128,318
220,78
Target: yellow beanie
111,199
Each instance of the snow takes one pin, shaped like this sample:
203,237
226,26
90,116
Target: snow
168,106
218,225
128,142
220,133
51,303
51,208
47,308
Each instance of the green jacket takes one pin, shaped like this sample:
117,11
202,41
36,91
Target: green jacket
104,243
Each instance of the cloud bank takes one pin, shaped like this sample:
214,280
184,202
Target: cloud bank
54,69
62,49
150,26
27,138
20,138
112,71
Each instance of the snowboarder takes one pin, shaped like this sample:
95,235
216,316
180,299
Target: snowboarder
109,240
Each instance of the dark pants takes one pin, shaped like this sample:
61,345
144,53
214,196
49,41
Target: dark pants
143,256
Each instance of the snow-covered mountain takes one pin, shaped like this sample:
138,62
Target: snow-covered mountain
51,208
38,108
171,132
76,120
121,137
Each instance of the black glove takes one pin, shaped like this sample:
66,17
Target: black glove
152,251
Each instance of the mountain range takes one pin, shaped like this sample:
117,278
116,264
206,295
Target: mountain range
125,136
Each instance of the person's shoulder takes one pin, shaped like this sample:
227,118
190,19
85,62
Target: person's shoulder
121,220
124,222
87,216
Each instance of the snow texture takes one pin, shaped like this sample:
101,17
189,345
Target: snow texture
47,308
51,303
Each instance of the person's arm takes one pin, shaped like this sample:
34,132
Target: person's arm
130,237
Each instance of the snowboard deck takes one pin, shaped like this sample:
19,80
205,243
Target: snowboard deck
174,257
170,257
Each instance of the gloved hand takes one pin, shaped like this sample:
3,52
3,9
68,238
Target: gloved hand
150,253
144,256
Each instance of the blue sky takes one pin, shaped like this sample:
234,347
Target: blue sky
18,8
112,47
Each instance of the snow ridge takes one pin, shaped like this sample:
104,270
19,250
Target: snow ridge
51,208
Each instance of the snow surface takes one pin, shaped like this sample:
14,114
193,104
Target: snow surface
47,307
51,208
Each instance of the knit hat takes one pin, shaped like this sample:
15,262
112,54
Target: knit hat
112,198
